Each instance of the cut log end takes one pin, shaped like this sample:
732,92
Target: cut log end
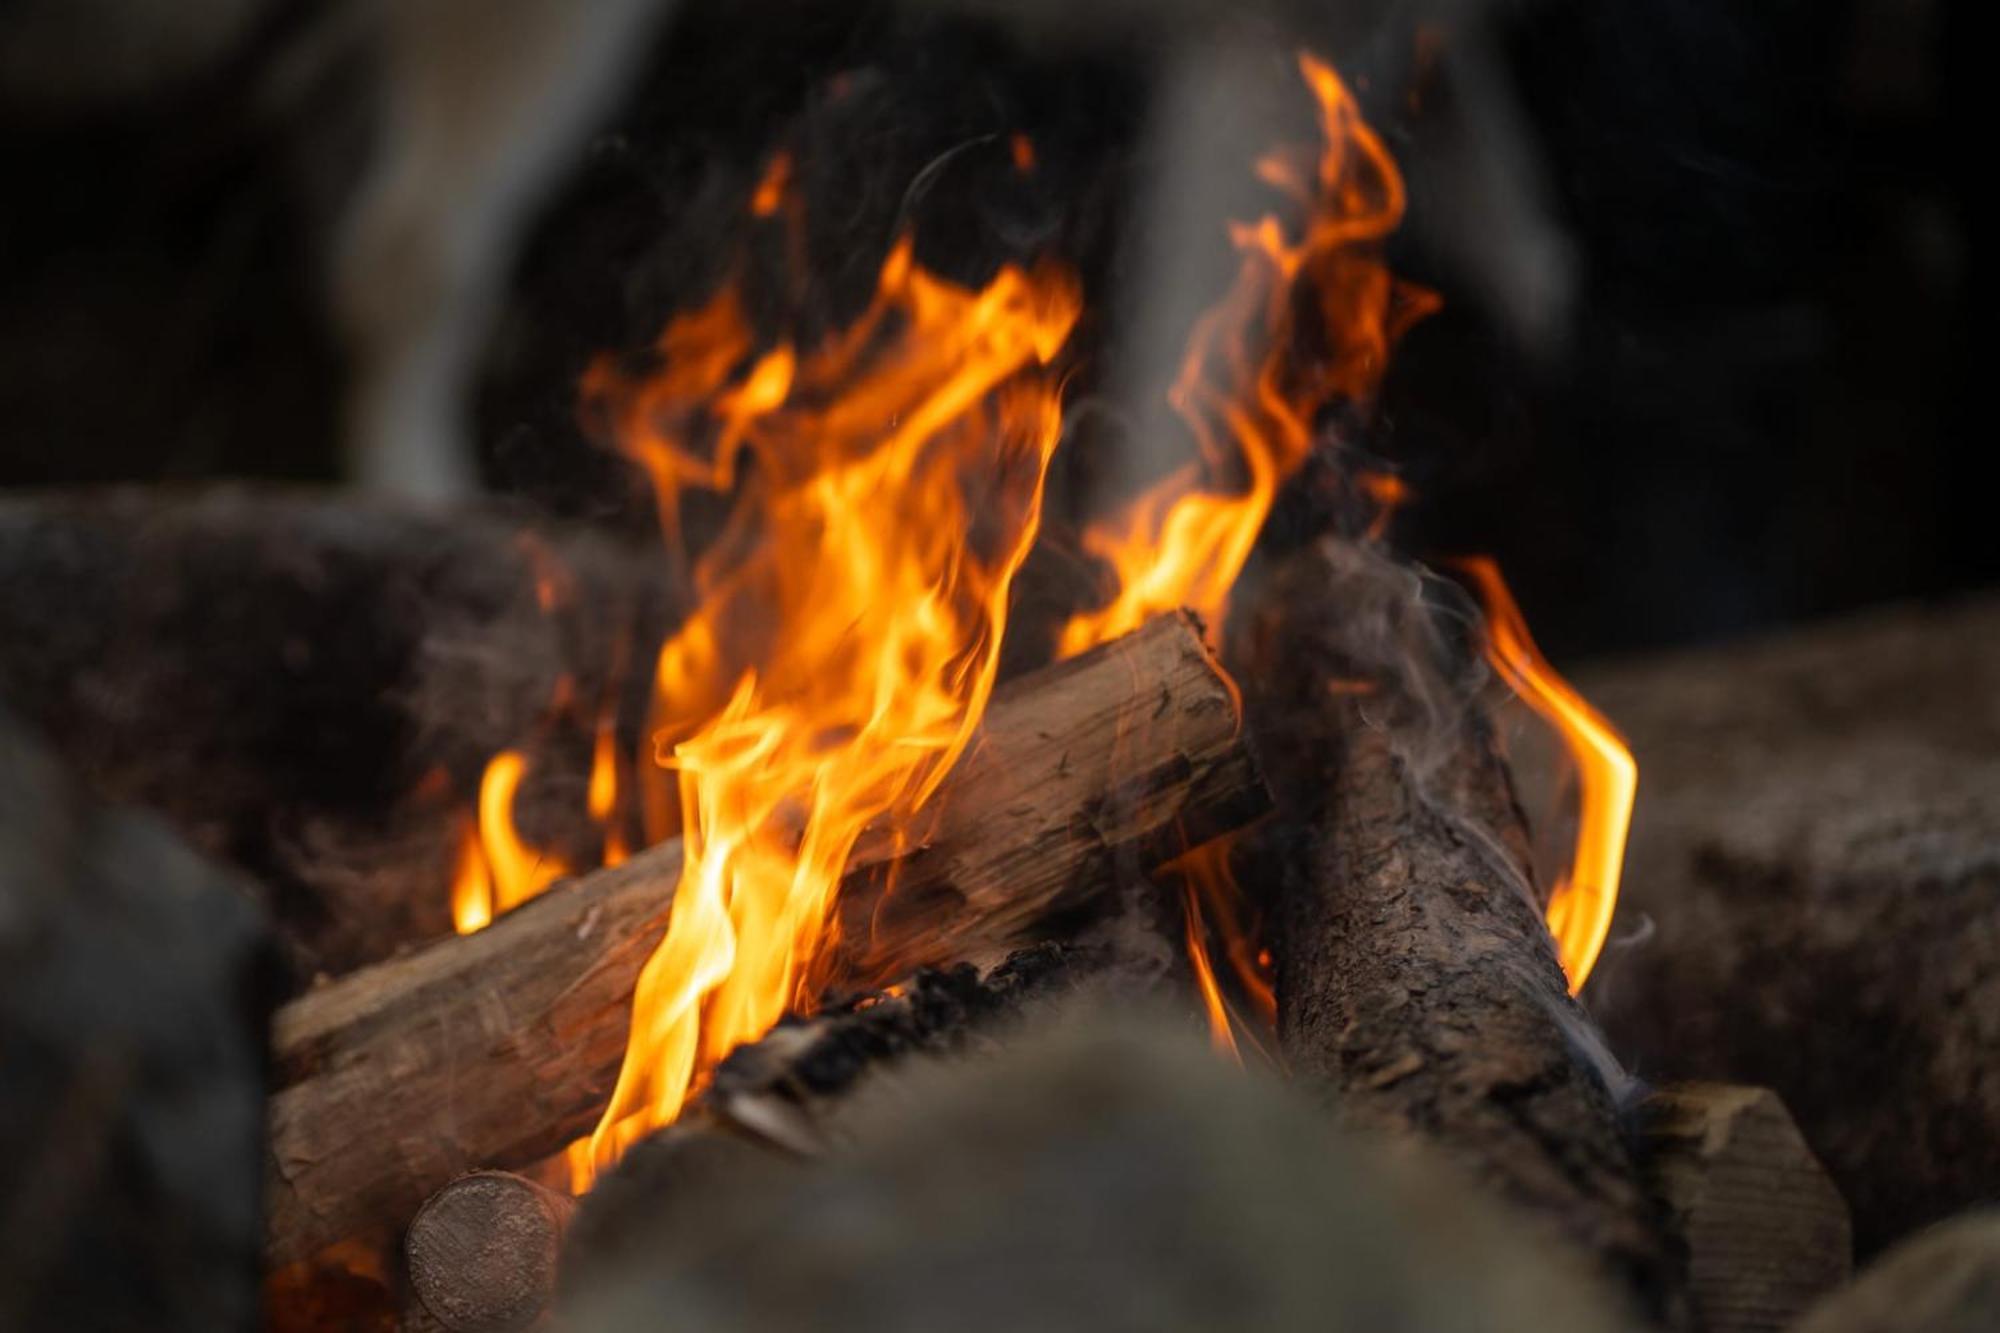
483,1252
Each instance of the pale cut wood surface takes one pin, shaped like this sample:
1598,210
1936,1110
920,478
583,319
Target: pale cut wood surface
1766,1231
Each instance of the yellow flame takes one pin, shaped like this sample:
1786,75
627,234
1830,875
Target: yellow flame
1583,900
849,623
497,870
1245,391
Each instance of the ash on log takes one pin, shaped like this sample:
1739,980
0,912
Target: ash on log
1417,983
1766,1231
498,1048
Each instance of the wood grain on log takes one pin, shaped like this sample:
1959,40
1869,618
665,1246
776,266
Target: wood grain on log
1417,983
1812,895
483,1252
496,1049
1766,1232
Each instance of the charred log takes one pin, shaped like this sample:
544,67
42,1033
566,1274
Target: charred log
788,1096
1417,984
498,1048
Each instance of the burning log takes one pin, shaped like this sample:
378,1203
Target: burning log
498,1048
482,1252
1766,1231
1417,983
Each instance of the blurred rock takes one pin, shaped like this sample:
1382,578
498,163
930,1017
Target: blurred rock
1946,1280
135,982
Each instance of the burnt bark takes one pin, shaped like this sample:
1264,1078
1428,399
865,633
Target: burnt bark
498,1048
1417,984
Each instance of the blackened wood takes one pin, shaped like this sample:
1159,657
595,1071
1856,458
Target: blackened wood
498,1048
784,1098
482,1252
1417,983
1766,1232
1812,900
286,674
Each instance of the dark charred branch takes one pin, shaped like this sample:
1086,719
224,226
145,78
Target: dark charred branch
785,1097
498,1048
1417,984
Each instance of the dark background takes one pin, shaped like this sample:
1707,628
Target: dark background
1763,410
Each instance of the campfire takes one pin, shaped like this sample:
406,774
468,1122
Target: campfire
922,869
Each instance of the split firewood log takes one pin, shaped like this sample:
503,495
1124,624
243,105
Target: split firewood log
1416,982
1765,1230
496,1049
1812,897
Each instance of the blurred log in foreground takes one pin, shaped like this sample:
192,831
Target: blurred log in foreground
1088,1176
135,979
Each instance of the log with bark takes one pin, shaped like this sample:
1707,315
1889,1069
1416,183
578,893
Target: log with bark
336,670
1417,984
498,1048
1812,894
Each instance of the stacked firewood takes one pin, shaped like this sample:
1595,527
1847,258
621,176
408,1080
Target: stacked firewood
1004,1119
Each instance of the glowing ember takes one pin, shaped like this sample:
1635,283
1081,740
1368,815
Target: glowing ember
849,624
1582,901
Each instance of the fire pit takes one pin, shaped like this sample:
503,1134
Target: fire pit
951,791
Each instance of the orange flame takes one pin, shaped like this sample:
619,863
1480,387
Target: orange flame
1244,391
1583,899
496,869
849,624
